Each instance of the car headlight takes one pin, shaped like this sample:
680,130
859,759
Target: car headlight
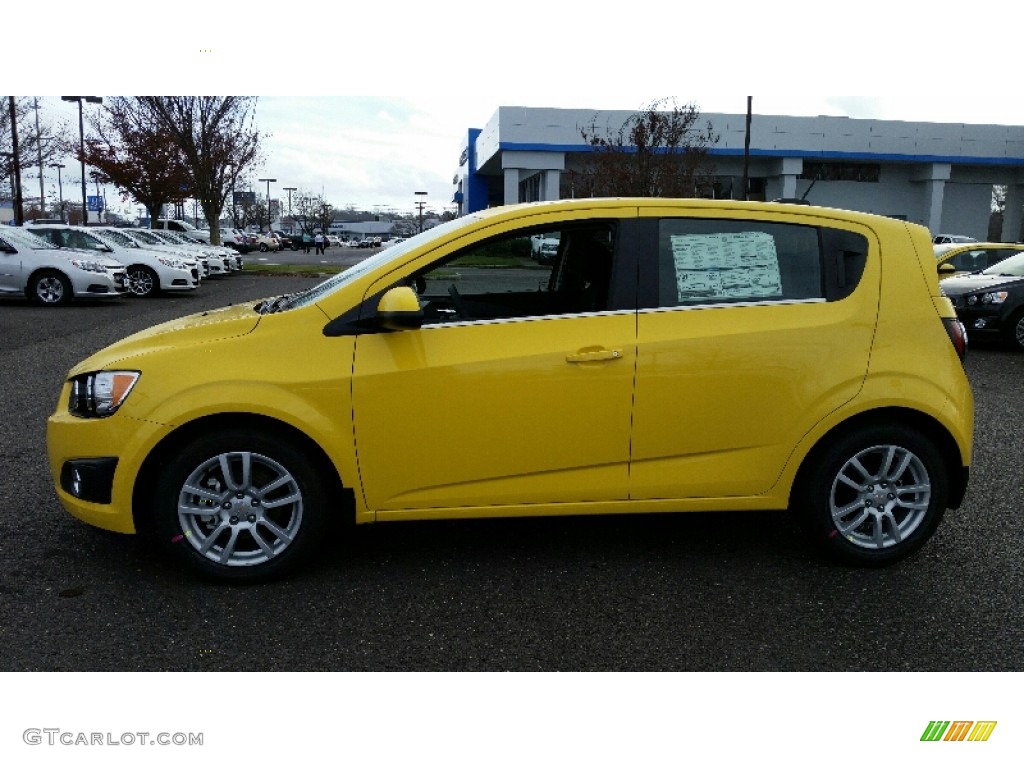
89,266
992,297
100,394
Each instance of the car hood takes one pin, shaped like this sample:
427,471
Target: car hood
961,284
84,254
193,330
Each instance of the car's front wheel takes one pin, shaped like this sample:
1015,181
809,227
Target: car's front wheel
263,247
1015,331
50,288
240,506
874,495
142,281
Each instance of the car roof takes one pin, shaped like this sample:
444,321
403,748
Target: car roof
945,251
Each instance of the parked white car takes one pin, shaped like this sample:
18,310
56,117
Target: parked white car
129,237
50,276
153,238
149,272
220,256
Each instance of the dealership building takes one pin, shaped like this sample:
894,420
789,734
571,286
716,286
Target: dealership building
940,175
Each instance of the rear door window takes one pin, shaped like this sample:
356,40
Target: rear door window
716,261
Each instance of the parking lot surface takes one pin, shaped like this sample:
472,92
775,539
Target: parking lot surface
724,591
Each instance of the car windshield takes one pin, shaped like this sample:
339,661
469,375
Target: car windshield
119,237
25,239
147,237
74,238
332,284
1011,267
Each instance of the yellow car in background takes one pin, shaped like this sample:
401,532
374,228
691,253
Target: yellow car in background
954,259
674,355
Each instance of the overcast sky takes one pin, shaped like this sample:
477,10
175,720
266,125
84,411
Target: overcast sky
377,108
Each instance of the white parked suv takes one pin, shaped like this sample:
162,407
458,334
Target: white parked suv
183,227
52,276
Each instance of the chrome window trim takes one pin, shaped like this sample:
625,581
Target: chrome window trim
526,319
722,305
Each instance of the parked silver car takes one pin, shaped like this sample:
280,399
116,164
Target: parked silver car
51,276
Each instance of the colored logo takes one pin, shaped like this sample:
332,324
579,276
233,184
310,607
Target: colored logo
959,730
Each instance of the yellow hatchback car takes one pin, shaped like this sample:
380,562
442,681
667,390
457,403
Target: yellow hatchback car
674,355
958,259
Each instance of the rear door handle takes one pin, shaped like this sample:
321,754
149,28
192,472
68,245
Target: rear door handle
594,356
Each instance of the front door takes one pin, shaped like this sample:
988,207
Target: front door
516,392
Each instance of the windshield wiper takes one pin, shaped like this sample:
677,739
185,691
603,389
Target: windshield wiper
270,306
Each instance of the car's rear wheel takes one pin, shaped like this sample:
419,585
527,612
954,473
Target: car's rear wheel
240,506
142,281
263,247
50,288
874,495
1015,331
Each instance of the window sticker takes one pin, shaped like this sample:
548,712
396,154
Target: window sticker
726,265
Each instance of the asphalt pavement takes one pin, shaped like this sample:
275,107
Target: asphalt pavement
724,591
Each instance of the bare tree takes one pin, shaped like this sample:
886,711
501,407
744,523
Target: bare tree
661,151
218,138
312,212
40,140
48,140
135,154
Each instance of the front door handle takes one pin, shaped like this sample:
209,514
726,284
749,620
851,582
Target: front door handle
593,356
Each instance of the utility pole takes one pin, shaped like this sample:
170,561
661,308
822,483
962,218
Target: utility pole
291,220
420,205
746,153
39,155
19,214
60,188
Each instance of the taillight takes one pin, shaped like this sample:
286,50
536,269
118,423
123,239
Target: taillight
957,334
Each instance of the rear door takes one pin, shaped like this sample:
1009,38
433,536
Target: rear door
749,332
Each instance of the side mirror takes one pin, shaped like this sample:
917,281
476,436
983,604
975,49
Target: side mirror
399,310
946,268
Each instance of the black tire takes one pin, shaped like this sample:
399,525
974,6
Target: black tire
251,534
263,248
142,281
1013,334
872,496
50,288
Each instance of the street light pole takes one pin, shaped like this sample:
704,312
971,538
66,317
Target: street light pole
270,220
60,187
81,146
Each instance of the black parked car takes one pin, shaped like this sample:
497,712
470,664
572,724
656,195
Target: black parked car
991,302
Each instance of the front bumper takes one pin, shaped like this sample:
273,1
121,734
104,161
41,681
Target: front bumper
981,320
94,464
